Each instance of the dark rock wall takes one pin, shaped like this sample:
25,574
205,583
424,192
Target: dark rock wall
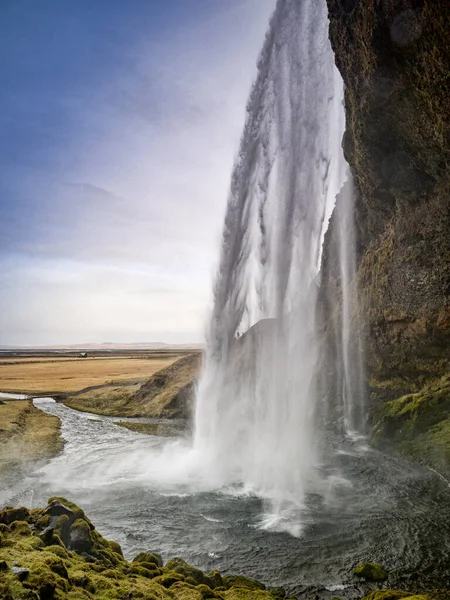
394,57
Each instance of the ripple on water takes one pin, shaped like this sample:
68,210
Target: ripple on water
366,506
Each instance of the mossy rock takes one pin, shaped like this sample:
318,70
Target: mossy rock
80,536
205,591
115,547
20,528
178,565
168,579
279,593
77,511
216,579
140,569
43,521
241,581
184,591
393,595
58,551
10,515
62,529
370,571
149,557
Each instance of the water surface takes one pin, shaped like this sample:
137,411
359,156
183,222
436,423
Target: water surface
139,490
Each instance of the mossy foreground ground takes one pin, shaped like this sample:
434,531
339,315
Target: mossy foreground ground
56,553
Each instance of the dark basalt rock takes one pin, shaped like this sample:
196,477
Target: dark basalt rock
57,509
80,536
21,573
394,60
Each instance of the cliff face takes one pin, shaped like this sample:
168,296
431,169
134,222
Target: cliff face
394,58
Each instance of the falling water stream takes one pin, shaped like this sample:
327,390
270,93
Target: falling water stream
255,420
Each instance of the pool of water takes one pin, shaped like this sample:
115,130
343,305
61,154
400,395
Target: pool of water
144,492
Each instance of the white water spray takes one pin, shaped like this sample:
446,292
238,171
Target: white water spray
256,398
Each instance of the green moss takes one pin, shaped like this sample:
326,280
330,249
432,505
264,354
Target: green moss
242,593
14,514
216,579
115,547
418,424
184,591
168,579
371,572
149,557
43,521
241,581
393,595
205,591
179,566
20,528
139,569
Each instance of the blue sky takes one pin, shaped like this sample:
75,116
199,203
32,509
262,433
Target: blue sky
119,123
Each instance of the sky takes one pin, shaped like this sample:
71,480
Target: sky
119,124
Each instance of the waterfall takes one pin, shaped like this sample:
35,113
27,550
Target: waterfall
255,415
353,391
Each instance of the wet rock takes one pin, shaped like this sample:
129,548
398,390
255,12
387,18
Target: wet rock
371,572
21,573
57,509
62,528
216,579
80,536
47,535
47,591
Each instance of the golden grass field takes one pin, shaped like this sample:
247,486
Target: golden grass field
49,374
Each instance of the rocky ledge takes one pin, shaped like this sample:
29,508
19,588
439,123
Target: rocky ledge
56,553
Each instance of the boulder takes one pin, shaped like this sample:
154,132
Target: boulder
80,536
149,557
371,571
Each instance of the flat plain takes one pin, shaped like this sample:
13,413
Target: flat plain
40,374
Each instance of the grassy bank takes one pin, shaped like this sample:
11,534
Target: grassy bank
159,429
167,393
109,400
27,435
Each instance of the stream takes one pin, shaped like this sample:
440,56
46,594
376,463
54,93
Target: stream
374,506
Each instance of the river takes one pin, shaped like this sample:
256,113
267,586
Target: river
376,507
